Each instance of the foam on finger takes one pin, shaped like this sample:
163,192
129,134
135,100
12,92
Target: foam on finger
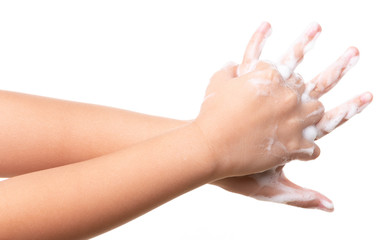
296,53
285,192
344,112
254,49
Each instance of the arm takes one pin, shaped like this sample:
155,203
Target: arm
87,198
229,137
40,133
89,137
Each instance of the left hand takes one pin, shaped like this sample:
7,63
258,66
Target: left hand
272,185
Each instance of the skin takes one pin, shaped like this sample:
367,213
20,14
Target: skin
196,152
323,82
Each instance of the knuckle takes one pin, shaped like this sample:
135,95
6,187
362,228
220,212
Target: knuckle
293,145
275,73
320,109
320,105
294,123
271,73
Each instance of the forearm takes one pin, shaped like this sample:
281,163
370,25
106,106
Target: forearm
40,133
86,198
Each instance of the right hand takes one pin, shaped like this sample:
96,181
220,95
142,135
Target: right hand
255,121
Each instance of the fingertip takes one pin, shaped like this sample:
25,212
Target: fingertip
366,98
326,209
316,152
355,50
265,28
351,52
313,29
266,24
351,57
326,205
318,26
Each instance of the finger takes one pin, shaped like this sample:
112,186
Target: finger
307,198
273,186
339,115
312,112
254,48
308,151
326,80
296,53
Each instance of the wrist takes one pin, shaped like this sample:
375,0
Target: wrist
213,160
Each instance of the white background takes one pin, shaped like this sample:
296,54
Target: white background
156,57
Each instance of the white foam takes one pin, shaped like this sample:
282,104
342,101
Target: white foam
260,85
330,124
352,110
308,151
209,96
259,81
238,73
252,66
345,112
317,111
305,97
297,82
288,65
310,133
270,144
284,71
287,194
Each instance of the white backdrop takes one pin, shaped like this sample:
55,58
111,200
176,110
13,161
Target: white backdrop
156,57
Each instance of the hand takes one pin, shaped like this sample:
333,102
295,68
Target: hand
244,129
272,185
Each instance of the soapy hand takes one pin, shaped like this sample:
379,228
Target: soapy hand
254,120
272,185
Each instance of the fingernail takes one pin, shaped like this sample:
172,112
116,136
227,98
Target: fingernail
312,34
366,97
352,51
327,204
352,56
265,28
313,29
